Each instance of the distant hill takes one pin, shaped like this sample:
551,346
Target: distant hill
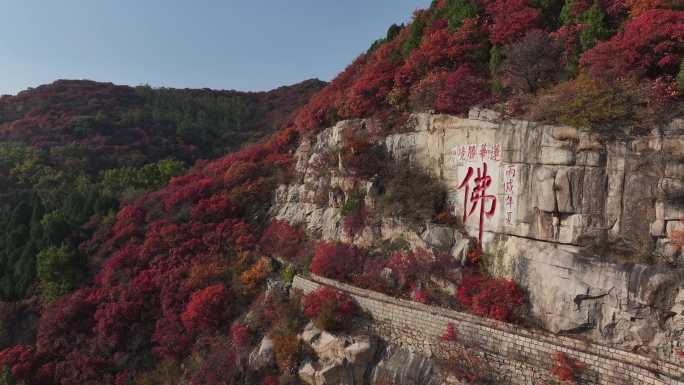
106,117
71,151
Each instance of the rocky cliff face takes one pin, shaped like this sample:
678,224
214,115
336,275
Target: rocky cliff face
580,220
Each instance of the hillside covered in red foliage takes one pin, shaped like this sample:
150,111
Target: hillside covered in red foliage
180,292
194,123
460,53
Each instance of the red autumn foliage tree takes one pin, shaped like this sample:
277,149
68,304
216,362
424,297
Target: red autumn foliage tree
651,44
511,19
323,108
282,239
336,260
213,209
442,50
410,267
462,89
330,309
369,92
207,309
239,334
20,359
499,299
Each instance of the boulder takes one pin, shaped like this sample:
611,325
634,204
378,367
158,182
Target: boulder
334,373
307,373
438,236
340,359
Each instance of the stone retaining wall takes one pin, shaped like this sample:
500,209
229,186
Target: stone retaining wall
522,356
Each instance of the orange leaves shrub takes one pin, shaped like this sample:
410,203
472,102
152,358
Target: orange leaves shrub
287,349
205,274
637,7
446,217
585,102
251,278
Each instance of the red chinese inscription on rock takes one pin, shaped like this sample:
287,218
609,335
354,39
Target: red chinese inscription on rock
478,198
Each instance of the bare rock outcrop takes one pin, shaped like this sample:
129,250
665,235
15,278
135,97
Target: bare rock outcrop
582,221
341,359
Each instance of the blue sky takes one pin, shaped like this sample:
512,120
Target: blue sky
230,44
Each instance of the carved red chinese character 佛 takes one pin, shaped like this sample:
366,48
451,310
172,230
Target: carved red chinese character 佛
478,197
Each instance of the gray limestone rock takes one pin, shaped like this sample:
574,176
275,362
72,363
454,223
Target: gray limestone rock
572,188
439,237
402,367
340,359
544,189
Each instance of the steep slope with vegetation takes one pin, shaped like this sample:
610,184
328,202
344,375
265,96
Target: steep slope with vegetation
71,151
603,63
181,293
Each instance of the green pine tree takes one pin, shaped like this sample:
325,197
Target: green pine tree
596,27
